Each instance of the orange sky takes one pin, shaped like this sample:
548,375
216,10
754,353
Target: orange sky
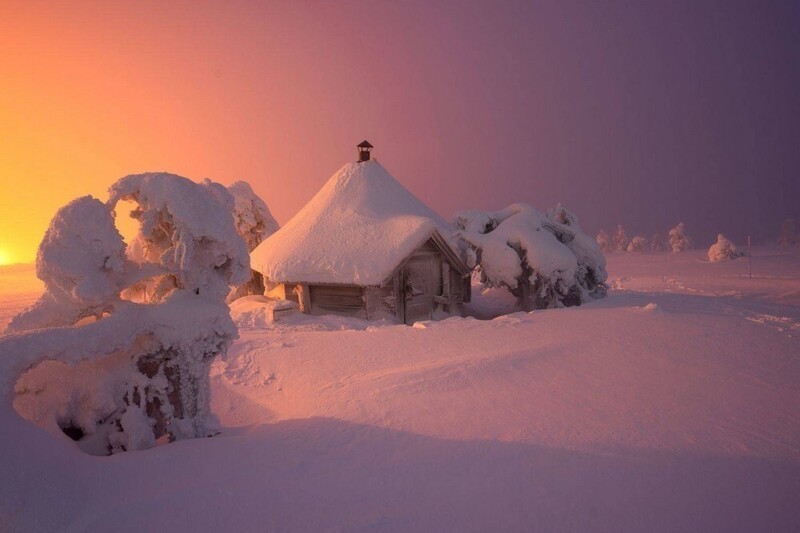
643,113
94,91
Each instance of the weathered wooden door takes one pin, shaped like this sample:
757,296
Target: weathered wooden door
422,280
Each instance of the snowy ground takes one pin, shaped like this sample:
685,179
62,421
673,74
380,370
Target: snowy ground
673,404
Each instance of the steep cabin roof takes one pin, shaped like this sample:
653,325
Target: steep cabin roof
356,230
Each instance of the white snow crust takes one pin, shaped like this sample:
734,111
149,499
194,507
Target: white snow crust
355,230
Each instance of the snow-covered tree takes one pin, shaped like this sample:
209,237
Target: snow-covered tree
788,232
143,367
638,244
545,260
723,250
182,226
678,240
254,223
604,242
620,239
657,243
81,261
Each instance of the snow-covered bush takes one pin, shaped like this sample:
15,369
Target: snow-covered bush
620,239
678,240
722,250
788,232
604,242
638,244
545,260
142,368
657,243
254,223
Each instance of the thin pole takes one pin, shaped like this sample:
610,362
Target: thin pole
750,257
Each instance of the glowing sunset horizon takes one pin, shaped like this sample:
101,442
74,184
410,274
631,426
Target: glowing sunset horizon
636,115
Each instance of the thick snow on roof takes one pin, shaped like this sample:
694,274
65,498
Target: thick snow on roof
356,230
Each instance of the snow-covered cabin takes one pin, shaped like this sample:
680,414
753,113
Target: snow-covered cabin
365,246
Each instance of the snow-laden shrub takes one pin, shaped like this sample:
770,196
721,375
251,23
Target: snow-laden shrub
657,243
723,250
620,239
604,242
545,260
638,244
143,368
678,240
254,223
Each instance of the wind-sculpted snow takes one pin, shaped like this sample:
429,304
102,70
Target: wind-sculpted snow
526,251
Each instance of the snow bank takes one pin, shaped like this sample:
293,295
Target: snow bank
355,230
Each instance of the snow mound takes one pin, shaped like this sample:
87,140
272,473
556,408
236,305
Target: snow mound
356,230
259,311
